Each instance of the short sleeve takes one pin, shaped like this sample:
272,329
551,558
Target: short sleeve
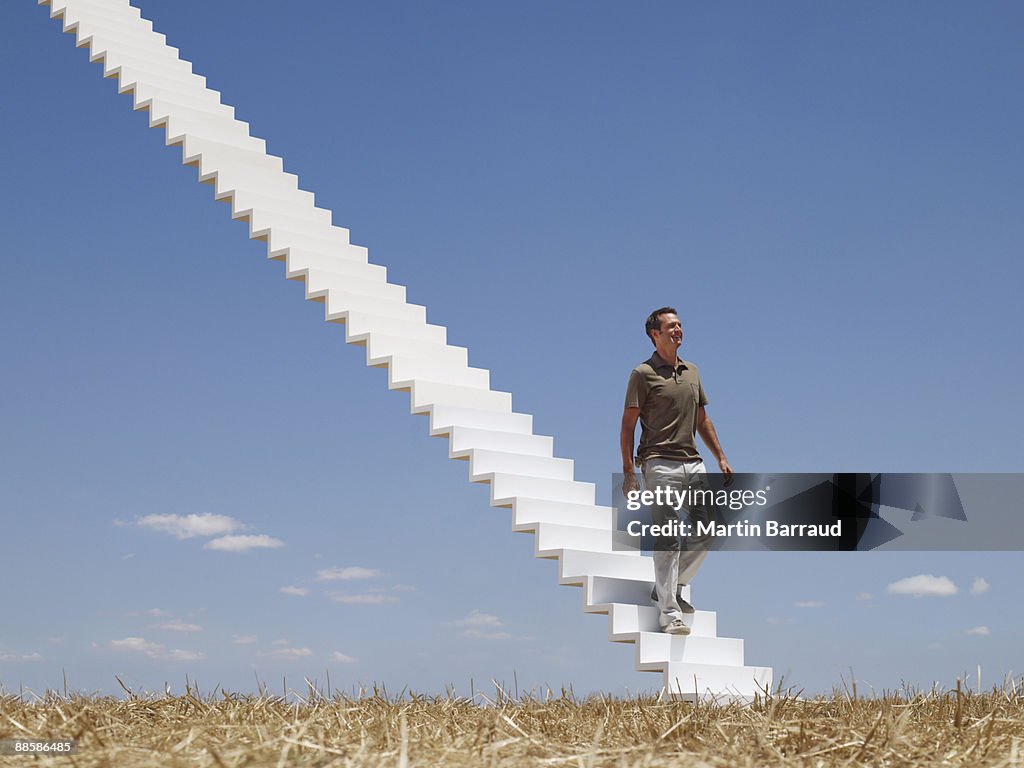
636,390
702,398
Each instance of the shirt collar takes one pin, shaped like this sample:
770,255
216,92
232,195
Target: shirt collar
657,362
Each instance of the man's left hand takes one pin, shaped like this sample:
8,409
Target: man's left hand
726,471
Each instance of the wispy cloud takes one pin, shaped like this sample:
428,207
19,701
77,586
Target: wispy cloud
477,618
923,585
366,598
980,586
297,591
243,639
190,526
477,624
11,656
809,604
286,654
349,573
342,658
154,650
243,543
864,596
982,631
177,625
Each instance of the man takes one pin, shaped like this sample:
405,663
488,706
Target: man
666,395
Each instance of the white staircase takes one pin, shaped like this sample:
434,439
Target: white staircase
479,422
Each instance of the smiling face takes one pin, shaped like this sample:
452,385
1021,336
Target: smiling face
670,334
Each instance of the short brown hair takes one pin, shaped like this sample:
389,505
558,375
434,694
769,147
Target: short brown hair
654,320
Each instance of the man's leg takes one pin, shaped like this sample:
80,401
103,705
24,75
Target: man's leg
659,473
692,556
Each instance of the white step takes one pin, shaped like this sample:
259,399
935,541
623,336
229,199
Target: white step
90,31
319,281
552,537
464,439
404,370
347,264
108,18
144,92
528,512
575,566
127,67
625,620
339,303
208,155
444,417
426,394
128,75
300,207
234,178
135,50
600,592
160,107
716,682
118,9
262,222
279,239
506,487
384,349
656,649
359,326
483,462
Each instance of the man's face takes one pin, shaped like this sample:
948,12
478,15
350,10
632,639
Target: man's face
671,329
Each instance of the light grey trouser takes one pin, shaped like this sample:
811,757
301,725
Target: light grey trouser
673,566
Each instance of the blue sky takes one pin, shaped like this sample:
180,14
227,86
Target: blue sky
830,194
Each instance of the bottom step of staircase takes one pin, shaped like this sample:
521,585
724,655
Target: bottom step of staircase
716,682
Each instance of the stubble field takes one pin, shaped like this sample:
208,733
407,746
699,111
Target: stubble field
371,728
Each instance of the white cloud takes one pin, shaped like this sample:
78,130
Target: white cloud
297,591
155,650
177,625
287,654
129,556
346,574
341,658
923,585
809,604
190,526
179,655
980,586
476,618
480,625
280,641
135,645
10,656
982,631
243,639
478,633
243,543
864,595
373,598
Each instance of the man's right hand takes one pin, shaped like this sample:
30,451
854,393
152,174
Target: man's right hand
630,483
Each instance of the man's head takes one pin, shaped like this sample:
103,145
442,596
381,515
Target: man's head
663,328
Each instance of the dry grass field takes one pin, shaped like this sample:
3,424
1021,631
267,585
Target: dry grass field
374,729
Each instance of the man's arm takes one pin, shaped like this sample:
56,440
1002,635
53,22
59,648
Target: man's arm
626,435
707,433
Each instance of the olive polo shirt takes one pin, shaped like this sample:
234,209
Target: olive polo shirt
668,397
